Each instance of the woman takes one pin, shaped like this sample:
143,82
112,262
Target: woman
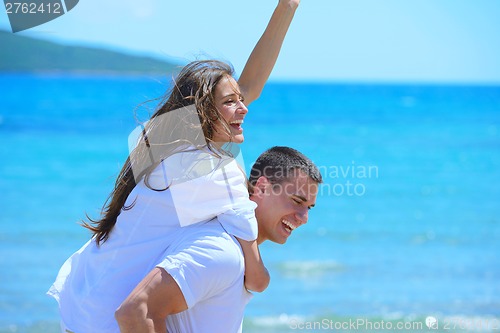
180,149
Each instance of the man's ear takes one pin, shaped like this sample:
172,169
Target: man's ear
261,187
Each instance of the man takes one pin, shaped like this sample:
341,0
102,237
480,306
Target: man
201,280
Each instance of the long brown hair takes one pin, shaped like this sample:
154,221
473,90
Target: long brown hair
193,90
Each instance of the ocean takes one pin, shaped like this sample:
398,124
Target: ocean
405,235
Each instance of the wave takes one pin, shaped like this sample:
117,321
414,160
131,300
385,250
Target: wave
35,327
314,268
282,323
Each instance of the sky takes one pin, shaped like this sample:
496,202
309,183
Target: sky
429,41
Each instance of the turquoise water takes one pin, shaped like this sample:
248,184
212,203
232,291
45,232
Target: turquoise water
406,226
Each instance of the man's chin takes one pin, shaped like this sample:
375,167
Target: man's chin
281,240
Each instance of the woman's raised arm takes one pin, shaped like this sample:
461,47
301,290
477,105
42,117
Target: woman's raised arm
264,55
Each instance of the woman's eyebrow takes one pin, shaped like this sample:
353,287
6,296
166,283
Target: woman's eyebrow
230,95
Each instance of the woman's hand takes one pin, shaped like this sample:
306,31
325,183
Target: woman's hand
290,3
264,55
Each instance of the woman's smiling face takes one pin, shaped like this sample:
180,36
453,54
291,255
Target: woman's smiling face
229,102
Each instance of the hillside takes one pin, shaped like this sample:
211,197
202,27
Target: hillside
25,54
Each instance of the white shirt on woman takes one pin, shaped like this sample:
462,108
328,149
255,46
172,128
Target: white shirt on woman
94,281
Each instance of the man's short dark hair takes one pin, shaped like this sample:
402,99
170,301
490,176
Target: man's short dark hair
279,164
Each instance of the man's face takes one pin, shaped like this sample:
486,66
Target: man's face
283,207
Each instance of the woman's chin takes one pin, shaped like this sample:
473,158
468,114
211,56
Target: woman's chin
238,138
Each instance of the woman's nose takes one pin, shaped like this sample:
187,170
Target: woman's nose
242,108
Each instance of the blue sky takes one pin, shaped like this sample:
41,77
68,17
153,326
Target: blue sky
454,41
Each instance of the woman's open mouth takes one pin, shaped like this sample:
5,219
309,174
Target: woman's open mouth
236,124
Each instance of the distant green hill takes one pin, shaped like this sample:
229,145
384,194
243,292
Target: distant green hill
24,54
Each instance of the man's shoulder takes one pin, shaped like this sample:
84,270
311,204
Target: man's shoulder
205,261
209,240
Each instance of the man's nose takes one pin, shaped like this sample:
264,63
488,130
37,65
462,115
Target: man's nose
302,214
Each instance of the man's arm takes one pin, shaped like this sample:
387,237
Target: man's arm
264,55
146,308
